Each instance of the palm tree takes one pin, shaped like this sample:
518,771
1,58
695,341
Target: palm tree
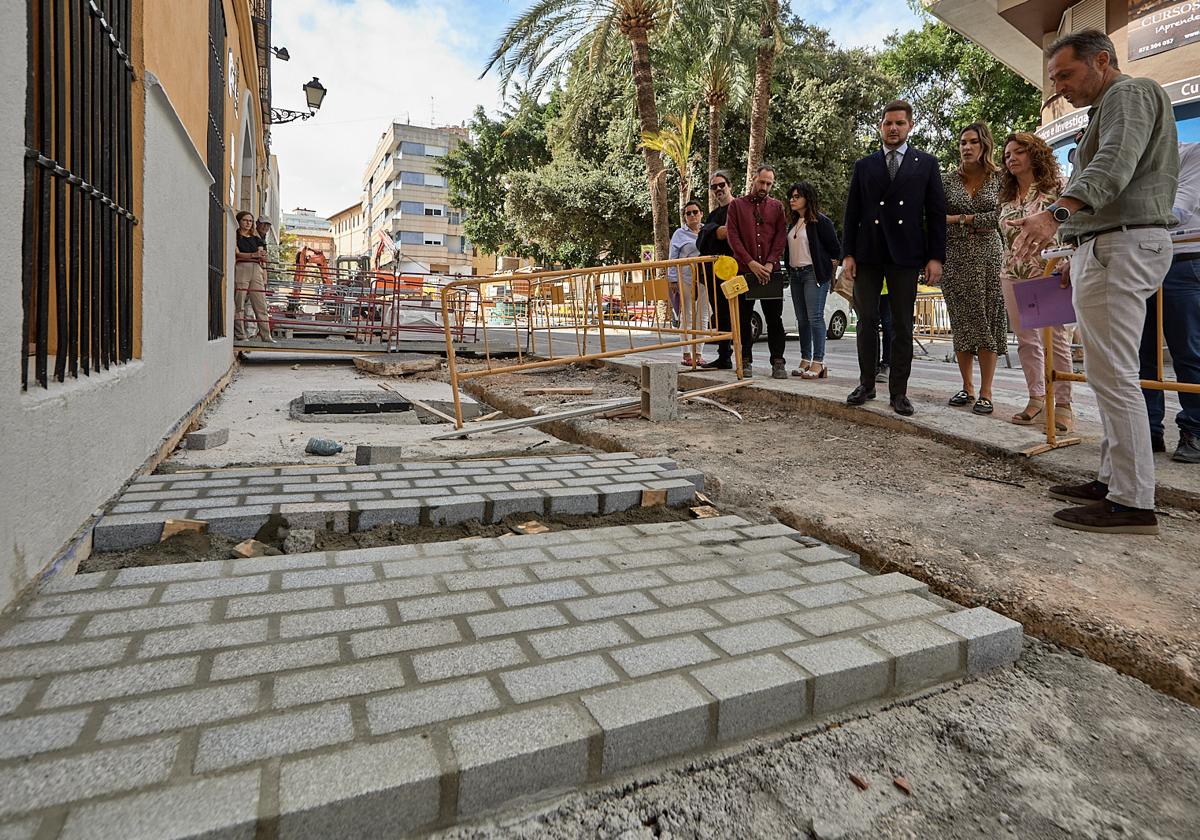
540,43
770,42
675,141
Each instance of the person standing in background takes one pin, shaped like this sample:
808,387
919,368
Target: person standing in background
811,257
693,298
713,241
757,230
249,280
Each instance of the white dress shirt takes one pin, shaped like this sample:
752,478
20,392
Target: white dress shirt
1187,198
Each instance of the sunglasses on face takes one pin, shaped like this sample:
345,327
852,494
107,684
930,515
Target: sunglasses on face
715,187
692,213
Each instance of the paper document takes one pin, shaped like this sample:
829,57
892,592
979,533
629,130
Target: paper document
1043,302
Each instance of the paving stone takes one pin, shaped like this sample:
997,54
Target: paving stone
173,712
537,593
371,790
226,806
900,607
241,743
389,590
418,707
697,571
833,620
123,531
590,548
207,438
888,584
512,502
267,659
775,529
467,659
423,566
122,681
148,618
573,500
438,606
35,632
572,640
763,582
399,639
620,496
320,684
752,607
39,784
320,516
757,635
88,602
457,509
556,569
691,593
924,653
993,640
216,588
538,682
827,594
671,622
11,695
241,522
374,453
502,576
653,657
168,573
29,736
648,720
328,577
607,606
203,637
59,657
20,830
845,671
332,621
282,602
519,753
755,694
830,571
822,554
372,514
277,563
509,622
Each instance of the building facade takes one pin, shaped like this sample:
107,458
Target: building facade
120,263
1157,39
406,199
349,232
311,231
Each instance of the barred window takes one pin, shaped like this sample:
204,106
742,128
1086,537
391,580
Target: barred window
216,167
77,268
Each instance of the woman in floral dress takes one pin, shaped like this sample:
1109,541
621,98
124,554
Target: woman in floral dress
1031,182
971,276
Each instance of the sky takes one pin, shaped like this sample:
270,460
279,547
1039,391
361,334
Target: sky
419,61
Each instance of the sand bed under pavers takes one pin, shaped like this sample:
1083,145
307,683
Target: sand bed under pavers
238,502
374,691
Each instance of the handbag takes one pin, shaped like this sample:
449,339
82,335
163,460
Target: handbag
843,285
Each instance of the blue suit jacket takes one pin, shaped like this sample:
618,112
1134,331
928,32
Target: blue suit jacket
901,221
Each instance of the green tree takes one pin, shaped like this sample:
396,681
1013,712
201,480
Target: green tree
951,83
675,141
540,43
770,43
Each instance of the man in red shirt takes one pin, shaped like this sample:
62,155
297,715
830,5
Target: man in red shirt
757,232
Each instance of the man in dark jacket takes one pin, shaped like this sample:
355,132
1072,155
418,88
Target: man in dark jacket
895,227
713,241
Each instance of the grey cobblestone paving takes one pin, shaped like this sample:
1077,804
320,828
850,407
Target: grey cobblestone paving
386,690
357,498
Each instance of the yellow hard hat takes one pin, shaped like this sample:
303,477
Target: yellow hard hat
725,267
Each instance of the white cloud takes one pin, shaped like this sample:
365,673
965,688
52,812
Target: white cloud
379,61
858,23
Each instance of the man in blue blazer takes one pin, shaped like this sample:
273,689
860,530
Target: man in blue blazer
895,227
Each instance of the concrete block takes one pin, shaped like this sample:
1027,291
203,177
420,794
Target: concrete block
123,681
587,548
123,531
557,569
321,516
31,785
467,659
225,807
29,736
755,694
398,639
697,571
680,491
846,672
607,606
691,593
823,554
207,438
757,606
888,584
40,661
993,640
203,637
511,622
520,753
452,510
88,602
503,576
763,582
757,635
11,695
37,631
624,581
900,607
421,566
326,622
377,454
832,620
537,593
573,500
240,522
328,577
374,790
538,682
651,658
438,606
173,712
924,653
389,590
829,572
775,529
422,706
671,622
268,659
620,496
169,573
659,386
825,595
513,502
320,684
215,588
255,605
572,640
649,720
279,735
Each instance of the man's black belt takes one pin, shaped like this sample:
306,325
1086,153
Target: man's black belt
1187,255
1088,237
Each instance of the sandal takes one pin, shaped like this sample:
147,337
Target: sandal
804,365
1064,417
961,398
813,373
1029,415
983,406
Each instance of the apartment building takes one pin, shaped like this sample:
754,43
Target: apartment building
405,198
349,231
311,231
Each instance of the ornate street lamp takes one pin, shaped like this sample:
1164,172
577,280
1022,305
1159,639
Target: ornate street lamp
314,95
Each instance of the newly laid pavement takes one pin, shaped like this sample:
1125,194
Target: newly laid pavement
378,691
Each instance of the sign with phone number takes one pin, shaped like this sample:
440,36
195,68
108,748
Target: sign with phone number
1157,27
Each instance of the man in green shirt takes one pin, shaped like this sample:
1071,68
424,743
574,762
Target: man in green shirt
1115,210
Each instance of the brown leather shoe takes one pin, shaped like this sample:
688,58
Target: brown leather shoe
1105,518
1080,494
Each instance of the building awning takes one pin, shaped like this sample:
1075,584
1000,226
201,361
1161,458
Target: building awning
981,22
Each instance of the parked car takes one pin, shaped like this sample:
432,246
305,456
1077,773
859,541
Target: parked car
838,316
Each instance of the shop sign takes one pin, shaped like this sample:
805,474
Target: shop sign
1156,26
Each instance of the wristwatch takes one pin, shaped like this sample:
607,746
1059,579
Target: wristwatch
1060,214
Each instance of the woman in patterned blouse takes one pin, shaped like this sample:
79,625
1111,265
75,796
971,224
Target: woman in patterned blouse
1031,181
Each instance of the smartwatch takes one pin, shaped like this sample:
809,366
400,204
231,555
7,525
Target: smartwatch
1060,214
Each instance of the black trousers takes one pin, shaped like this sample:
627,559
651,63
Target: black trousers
772,310
900,299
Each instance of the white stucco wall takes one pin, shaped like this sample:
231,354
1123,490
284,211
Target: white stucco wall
68,448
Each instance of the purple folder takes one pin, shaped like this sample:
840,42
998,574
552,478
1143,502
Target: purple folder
1043,302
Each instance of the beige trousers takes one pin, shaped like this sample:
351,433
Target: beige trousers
1031,352
1112,276
250,280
